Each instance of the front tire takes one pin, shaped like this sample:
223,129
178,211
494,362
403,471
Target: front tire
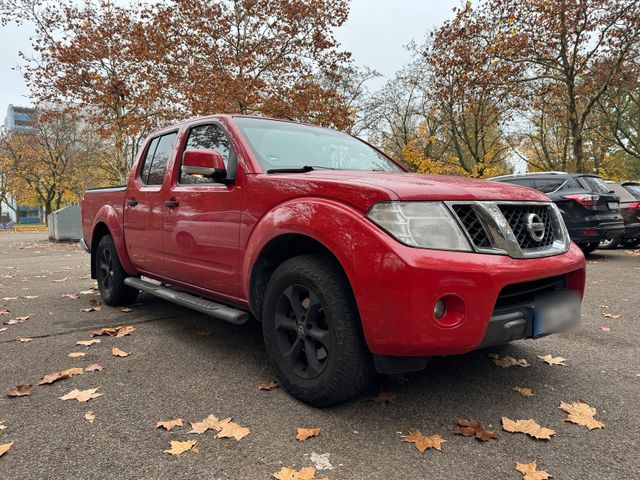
312,332
111,275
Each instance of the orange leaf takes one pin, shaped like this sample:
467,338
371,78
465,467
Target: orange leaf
4,448
116,352
19,391
169,425
304,433
470,428
423,443
528,427
268,386
384,397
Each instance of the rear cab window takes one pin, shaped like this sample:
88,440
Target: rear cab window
156,159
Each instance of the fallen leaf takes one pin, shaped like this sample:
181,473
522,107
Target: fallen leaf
89,416
605,329
286,473
9,298
5,312
423,443
19,391
86,292
2,425
88,343
551,360
524,391
94,302
232,430
3,329
470,428
54,377
611,315
61,280
81,395
120,331
209,423
604,306
25,339
91,309
398,378
30,297
169,425
384,397
16,320
304,433
528,427
94,367
268,386
531,472
4,448
126,310
581,413
77,354
178,447
116,352
72,296
508,361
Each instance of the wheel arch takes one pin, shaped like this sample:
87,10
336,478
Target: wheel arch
108,222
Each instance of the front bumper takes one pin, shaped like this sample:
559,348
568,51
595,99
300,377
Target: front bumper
404,284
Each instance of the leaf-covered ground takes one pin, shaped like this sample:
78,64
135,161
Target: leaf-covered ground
184,366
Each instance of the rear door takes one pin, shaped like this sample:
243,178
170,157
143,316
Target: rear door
144,206
201,232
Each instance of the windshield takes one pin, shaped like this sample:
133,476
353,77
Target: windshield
278,145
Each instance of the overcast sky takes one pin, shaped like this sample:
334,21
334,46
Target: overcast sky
375,33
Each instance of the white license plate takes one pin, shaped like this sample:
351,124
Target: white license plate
556,312
613,205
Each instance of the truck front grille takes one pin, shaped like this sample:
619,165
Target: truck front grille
516,215
517,293
472,225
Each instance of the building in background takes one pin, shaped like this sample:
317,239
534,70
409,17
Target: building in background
20,119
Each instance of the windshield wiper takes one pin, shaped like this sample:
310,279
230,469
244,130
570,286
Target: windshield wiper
303,169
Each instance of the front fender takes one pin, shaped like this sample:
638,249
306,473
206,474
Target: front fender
110,217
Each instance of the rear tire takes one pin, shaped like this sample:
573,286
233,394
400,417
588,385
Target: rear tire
631,243
588,247
111,275
312,332
609,243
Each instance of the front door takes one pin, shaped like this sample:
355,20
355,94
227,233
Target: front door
144,207
201,230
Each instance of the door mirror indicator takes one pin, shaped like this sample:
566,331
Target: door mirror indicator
207,163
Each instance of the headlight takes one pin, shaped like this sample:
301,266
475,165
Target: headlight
420,224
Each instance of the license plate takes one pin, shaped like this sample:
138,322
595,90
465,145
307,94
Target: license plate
613,205
556,312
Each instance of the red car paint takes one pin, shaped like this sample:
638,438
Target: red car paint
210,242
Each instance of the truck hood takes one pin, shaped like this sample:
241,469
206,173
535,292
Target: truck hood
419,186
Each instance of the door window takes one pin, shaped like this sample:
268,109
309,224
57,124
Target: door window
148,158
209,137
549,185
161,158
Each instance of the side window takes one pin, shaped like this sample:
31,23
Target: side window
548,185
209,137
523,182
161,158
148,158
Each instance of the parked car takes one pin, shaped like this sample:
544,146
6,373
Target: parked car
351,264
589,207
629,193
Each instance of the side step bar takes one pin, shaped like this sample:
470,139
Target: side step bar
213,309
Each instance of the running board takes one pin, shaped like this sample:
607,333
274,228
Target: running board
213,309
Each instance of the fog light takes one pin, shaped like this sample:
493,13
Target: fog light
439,308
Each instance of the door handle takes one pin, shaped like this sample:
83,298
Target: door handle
171,203
132,203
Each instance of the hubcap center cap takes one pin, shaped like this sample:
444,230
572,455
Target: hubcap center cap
300,330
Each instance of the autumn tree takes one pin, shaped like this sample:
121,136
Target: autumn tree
52,159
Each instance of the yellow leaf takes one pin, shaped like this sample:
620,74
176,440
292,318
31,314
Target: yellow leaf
77,354
94,367
304,433
209,423
178,447
581,413
87,343
81,395
169,425
116,352
524,391
89,416
4,448
286,473
507,361
528,427
553,360
531,472
25,339
423,443
232,430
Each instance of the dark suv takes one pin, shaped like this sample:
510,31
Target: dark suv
589,207
629,193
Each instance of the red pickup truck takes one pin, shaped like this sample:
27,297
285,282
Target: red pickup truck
351,264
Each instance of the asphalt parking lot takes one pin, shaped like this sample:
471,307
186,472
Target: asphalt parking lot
177,369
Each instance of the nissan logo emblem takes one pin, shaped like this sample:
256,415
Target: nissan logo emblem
535,227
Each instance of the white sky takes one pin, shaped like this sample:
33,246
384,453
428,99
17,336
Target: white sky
375,33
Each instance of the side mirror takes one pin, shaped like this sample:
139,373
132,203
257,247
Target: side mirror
207,163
